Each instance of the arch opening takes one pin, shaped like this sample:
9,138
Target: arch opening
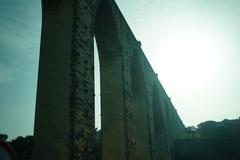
97,91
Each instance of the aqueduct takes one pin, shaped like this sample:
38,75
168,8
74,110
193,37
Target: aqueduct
138,119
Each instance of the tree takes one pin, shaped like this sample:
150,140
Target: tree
23,147
224,129
3,137
191,131
208,129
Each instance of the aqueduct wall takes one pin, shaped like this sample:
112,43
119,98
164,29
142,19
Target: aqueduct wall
138,119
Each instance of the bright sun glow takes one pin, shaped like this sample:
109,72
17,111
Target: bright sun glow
192,57
189,58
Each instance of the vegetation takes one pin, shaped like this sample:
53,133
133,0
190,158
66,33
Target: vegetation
223,129
23,146
201,139
212,129
210,140
3,137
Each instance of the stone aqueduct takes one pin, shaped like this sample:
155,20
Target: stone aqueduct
138,119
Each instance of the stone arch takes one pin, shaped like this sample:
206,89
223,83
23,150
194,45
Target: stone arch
64,121
109,46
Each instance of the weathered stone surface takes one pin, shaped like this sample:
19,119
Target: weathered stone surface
51,131
139,121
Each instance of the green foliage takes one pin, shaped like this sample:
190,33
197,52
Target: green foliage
23,147
213,129
223,129
190,133
3,137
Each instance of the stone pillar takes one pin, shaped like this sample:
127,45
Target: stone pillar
64,120
112,100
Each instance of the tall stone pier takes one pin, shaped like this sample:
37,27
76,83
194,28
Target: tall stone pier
138,119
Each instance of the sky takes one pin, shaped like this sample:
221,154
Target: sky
192,45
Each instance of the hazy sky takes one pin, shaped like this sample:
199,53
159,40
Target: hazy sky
193,45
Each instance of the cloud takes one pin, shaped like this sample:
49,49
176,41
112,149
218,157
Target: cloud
19,37
7,74
20,27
